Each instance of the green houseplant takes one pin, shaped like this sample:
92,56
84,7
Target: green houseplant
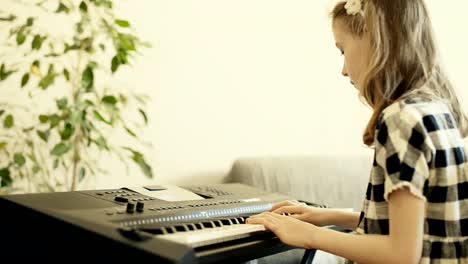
65,110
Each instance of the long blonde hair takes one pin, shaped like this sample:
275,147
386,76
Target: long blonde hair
403,54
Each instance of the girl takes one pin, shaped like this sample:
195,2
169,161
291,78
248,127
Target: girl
416,204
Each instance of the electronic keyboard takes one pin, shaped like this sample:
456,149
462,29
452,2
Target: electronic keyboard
158,224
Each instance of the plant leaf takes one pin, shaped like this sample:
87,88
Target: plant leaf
101,143
24,79
56,163
19,159
93,64
36,169
54,120
67,131
53,54
83,7
60,149
44,135
9,121
79,28
69,47
104,3
109,99
62,103
51,69
130,132
122,23
31,157
87,79
28,129
10,18
30,21
81,174
144,166
36,44
3,145
146,44
122,56
62,8
141,162
4,73
48,79
43,119
20,37
66,74
115,63
123,99
100,117
143,114
5,178
75,117
127,41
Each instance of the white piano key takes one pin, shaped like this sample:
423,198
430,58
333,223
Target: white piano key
213,235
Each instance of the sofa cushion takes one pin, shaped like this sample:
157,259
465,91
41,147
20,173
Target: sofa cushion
336,181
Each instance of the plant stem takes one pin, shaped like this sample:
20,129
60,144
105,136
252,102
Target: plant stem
77,138
75,165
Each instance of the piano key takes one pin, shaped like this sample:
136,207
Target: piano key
199,238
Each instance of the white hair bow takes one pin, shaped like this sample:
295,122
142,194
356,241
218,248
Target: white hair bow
353,7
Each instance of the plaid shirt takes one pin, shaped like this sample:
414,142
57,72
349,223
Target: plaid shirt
418,145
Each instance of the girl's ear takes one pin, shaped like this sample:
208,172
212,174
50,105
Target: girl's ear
365,29
365,32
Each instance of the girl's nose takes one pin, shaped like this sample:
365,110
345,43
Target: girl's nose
344,71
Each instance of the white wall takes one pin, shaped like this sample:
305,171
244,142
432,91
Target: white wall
241,78
251,77
255,77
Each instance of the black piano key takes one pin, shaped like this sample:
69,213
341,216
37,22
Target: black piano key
226,222
208,224
181,228
156,231
168,229
218,223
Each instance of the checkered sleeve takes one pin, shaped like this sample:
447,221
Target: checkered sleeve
401,151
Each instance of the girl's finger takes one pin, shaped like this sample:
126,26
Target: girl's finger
278,205
292,209
268,222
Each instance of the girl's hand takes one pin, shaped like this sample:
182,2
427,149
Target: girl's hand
289,230
314,215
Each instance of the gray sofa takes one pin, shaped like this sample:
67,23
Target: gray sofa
335,181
